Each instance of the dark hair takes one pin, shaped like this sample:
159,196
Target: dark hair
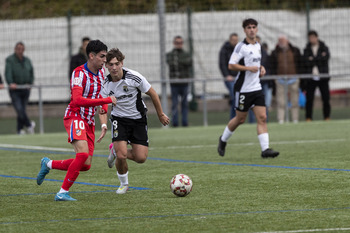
19,43
85,39
115,53
233,34
312,33
249,21
178,37
95,46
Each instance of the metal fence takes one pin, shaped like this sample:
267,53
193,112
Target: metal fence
202,95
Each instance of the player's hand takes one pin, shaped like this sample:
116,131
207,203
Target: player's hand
253,69
13,86
114,100
103,133
262,71
164,119
230,78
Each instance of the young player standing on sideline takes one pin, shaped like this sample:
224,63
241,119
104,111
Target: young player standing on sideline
128,117
86,84
248,92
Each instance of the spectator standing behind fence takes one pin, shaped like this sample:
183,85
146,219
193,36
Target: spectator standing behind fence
180,67
316,56
79,58
19,71
285,60
229,75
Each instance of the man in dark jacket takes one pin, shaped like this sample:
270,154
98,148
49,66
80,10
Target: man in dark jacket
180,67
229,75
316,56
286,60
79,58
19,71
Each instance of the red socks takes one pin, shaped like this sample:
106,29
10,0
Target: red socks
64,165
75,166
61,164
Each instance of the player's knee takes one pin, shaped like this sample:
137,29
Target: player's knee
141,158
85,168
121,155
262,118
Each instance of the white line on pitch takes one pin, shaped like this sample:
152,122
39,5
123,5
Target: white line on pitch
35,147
309,230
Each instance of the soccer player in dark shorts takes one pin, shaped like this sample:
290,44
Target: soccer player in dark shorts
128,117
246,59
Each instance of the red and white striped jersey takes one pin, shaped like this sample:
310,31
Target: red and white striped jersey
91,84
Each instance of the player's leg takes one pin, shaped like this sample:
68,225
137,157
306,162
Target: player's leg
263,136
73,133
242,106
138,153
84,150
122,165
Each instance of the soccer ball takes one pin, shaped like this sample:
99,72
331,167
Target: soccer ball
181,185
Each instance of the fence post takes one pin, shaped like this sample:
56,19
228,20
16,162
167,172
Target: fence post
161,19
69,28
204,99
307,16
41,112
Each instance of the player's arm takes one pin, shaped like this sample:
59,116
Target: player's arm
238,67
156,102
103,120
79,100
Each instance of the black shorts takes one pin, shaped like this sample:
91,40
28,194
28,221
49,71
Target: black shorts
244,101
130,130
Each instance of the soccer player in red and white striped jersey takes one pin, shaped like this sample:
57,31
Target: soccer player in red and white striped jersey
86,84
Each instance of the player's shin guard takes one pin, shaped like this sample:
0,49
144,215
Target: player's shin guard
61,164
73,170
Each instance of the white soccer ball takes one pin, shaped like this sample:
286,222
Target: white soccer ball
181,185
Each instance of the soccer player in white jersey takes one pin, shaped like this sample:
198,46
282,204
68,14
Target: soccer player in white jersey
248,92
128,117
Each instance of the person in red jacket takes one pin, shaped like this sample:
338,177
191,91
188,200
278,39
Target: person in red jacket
86,84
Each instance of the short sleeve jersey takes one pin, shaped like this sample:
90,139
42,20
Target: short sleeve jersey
128,92
247,54
92,86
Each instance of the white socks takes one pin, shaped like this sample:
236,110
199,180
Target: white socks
123,178
62,191
49,164
226,134
264,141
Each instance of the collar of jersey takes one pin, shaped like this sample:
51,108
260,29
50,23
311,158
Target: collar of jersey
86,68
110,77
246,42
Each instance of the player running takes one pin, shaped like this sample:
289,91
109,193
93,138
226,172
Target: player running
246,59
86,85
128,117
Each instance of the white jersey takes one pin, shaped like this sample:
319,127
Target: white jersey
128,93
247,54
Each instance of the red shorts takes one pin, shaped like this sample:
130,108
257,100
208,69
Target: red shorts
78,129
